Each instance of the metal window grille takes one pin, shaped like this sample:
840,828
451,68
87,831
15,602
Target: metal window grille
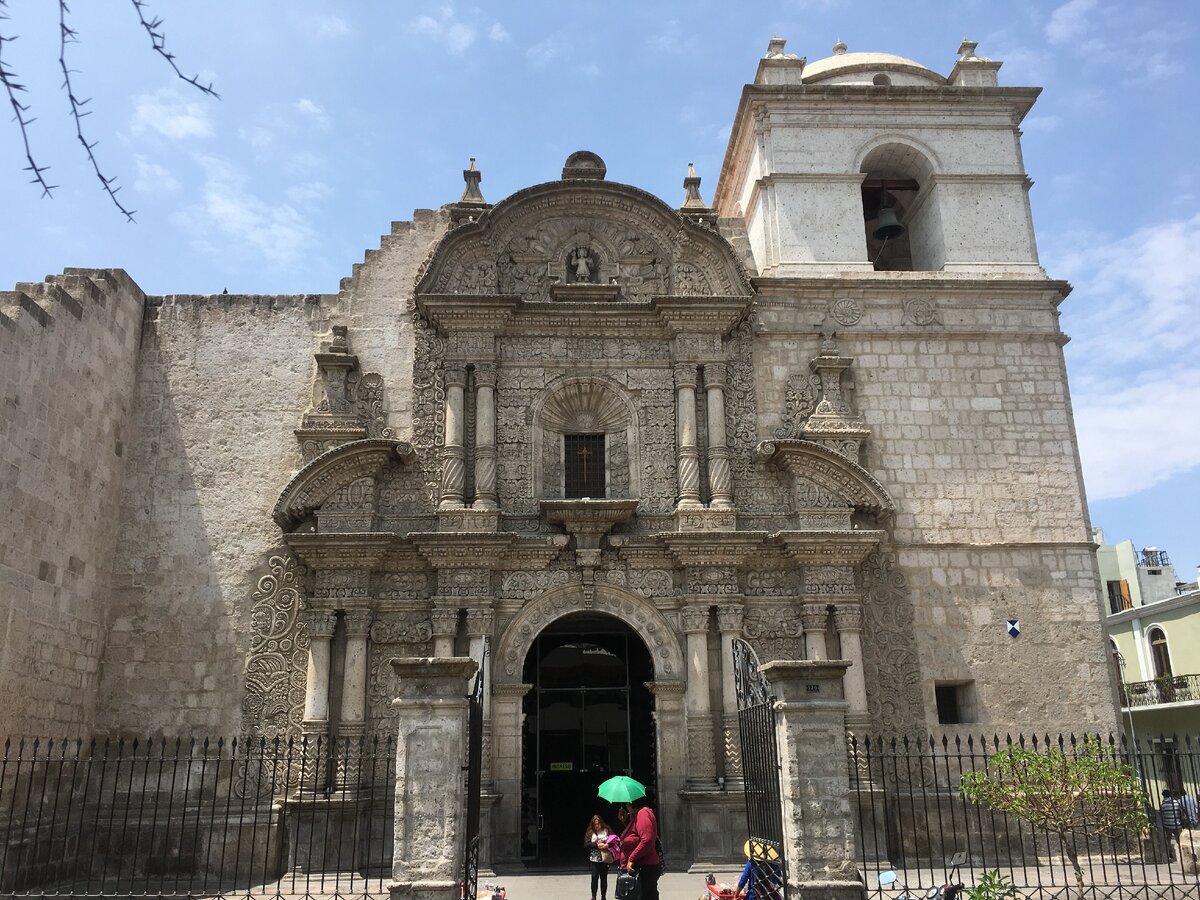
583,465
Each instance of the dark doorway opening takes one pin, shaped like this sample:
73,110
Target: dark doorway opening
588,717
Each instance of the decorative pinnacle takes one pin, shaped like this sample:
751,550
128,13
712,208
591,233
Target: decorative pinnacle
472,176
840,47
691,184
966,50
775,47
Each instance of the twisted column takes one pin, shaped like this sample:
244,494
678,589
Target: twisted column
848,619
719,478
702,770
729,622
814,616
453,452
485,436
685,434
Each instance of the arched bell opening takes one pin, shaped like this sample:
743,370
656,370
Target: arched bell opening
588,716
901,228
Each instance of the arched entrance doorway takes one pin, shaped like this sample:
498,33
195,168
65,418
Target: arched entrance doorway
588,716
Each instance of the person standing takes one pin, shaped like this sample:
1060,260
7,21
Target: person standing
1187,804
1170,817
599,856
639,848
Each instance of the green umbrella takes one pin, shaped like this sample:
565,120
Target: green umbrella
621,789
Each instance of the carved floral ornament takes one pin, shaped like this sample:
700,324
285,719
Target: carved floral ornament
583,231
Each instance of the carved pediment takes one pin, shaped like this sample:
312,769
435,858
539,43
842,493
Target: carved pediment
584,231
345,478
825,480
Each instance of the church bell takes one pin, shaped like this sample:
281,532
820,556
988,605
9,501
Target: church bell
888,226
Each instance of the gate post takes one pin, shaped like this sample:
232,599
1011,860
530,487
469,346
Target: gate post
430,750
818,826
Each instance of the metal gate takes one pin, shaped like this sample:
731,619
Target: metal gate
760,769
470,879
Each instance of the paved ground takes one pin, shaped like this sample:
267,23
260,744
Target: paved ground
672,886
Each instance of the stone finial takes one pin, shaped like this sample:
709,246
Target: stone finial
775,47
691,184
966,50
840,48
472,176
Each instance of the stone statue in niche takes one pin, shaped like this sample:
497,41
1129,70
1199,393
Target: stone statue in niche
583,266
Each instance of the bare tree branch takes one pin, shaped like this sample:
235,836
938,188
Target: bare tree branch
68,35
159,39
9,78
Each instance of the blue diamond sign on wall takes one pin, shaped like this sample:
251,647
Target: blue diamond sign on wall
1014,628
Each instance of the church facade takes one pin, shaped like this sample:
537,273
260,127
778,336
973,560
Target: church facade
594,438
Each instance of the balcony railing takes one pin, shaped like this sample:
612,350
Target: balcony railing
1153,559
1168,689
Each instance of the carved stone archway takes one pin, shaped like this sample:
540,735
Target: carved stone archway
507,692
638,613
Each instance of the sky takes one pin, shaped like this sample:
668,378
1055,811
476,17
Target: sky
337,118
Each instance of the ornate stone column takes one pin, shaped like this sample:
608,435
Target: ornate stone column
702,770
814,616
430,789
353,725
848,618
453,452
729,621
445,625
315,725
685,434
506,770
818,825
719,478
672,763
485,436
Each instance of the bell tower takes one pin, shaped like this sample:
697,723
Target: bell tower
864,162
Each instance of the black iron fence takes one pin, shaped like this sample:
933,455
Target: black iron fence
250,817
913,818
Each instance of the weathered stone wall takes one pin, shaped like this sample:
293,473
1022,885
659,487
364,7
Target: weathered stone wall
68,348
222,383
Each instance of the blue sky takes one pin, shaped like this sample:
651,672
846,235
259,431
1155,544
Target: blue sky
337,118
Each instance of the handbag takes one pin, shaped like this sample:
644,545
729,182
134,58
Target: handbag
629,887
606,856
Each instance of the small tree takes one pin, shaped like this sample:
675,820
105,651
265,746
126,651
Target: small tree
1070,794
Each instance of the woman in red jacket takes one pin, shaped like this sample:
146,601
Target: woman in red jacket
639,848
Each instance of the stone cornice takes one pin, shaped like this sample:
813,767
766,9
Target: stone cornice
829,548
694,549
661,317
887,284
353,550
462,550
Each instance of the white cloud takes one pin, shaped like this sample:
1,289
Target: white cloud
1135,378
1041,123
545,51
308,193
152,178
257,136
166,112
1070,21
327,26
312,110
230,220
672,39
456,36
499,33
1136,435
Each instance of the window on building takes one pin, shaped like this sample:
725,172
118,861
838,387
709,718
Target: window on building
955,702
1159,652
583,466
1118,596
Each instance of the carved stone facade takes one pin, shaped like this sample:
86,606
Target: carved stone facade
804,455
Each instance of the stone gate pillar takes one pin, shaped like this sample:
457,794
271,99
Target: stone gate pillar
669,720
818,825
431,744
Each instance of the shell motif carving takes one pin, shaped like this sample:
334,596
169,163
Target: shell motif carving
585,407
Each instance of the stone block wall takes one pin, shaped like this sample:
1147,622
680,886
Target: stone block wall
68,350
222,382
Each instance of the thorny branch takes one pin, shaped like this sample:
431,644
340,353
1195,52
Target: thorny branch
67,35
159,39
9,78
